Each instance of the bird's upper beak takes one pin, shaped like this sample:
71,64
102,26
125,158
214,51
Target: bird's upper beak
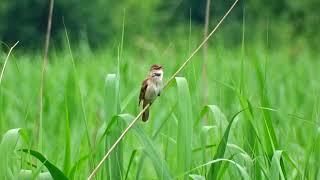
157,74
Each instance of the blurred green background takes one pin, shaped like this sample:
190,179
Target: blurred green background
99,22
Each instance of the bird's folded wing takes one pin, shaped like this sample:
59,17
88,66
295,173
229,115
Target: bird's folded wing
143,90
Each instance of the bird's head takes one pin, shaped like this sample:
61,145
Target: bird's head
156,72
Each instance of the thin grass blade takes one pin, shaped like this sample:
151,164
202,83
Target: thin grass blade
276,171
7,147
160,166
130,163
67,152
240,168
185,127
215,167
112,105
55,172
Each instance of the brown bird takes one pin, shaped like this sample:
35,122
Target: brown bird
151,88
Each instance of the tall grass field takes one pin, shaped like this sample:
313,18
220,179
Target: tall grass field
259,119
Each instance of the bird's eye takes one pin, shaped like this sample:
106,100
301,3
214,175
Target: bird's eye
156,74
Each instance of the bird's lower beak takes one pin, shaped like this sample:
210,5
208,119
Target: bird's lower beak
157,74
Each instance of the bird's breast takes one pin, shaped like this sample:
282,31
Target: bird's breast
152,91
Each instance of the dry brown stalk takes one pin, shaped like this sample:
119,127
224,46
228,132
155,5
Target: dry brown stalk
45,61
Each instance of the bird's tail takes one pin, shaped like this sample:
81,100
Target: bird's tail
145,115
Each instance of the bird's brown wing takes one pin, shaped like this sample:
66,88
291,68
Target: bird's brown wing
143,90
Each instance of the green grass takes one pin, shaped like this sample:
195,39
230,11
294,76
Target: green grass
88,102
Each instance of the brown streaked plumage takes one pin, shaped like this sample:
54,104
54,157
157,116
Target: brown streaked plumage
151,88
156,67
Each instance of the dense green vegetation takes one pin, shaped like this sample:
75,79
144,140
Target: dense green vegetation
260,119
276,135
